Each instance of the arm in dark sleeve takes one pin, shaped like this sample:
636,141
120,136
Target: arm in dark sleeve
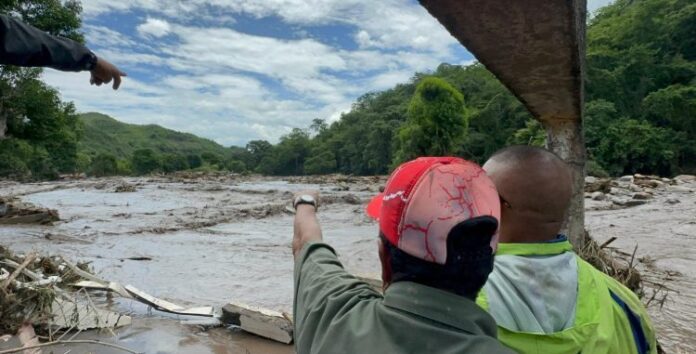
25,45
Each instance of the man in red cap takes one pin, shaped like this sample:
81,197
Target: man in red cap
438,220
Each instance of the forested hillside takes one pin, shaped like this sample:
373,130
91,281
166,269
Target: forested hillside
640,113
112,147
103,134
640,105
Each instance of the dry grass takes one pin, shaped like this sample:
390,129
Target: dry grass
598,256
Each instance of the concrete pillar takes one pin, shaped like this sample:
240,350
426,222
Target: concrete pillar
566,139
536,48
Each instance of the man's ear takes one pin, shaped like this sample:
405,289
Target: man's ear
386,264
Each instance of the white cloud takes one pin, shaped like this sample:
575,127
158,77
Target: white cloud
103,36
154,27
388,23
221,83
363,39
388,79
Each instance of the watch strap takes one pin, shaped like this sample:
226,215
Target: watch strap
300,200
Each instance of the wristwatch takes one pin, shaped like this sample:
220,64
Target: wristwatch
305,199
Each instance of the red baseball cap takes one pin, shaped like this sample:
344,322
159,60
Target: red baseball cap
426,197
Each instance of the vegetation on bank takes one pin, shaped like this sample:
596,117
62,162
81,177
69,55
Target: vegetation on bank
640,113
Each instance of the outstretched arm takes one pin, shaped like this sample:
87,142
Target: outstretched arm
24,45
306,225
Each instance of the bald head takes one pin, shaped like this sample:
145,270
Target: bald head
536,186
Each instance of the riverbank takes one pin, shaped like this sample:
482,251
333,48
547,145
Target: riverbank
208,240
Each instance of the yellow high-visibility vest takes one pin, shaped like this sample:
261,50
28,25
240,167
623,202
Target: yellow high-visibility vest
609,317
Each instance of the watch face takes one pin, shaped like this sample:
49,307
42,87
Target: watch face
305,199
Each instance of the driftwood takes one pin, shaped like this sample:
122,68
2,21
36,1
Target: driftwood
30,258
13,211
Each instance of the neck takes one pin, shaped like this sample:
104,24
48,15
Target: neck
530,233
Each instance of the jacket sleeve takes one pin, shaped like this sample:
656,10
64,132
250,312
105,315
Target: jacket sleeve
25,45
634,315
327,299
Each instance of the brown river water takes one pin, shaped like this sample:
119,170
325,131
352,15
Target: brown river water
227,239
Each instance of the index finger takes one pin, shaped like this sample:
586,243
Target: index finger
117,81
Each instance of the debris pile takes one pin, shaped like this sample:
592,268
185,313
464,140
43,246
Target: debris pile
632,190
125,188
14,211
602,259
342,182
38,290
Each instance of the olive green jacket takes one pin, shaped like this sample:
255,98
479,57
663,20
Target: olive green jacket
336,313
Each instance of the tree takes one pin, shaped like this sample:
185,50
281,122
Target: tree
437,121
194,161
83,162
378,151
318,126
290,153
258,149
104,165
174,162
15,155
532,134
235,166
32,111
145,161
211,158
320,163
633,146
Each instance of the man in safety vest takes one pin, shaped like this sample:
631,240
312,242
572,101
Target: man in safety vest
544,298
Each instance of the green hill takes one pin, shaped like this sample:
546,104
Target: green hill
105,135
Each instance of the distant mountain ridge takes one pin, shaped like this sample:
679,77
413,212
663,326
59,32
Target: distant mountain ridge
103,134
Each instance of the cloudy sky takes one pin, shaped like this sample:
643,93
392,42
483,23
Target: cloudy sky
238,70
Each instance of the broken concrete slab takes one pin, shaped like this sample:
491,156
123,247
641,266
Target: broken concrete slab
131,292
83,316
166,306
262,322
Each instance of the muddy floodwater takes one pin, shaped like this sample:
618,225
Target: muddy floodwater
212,240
